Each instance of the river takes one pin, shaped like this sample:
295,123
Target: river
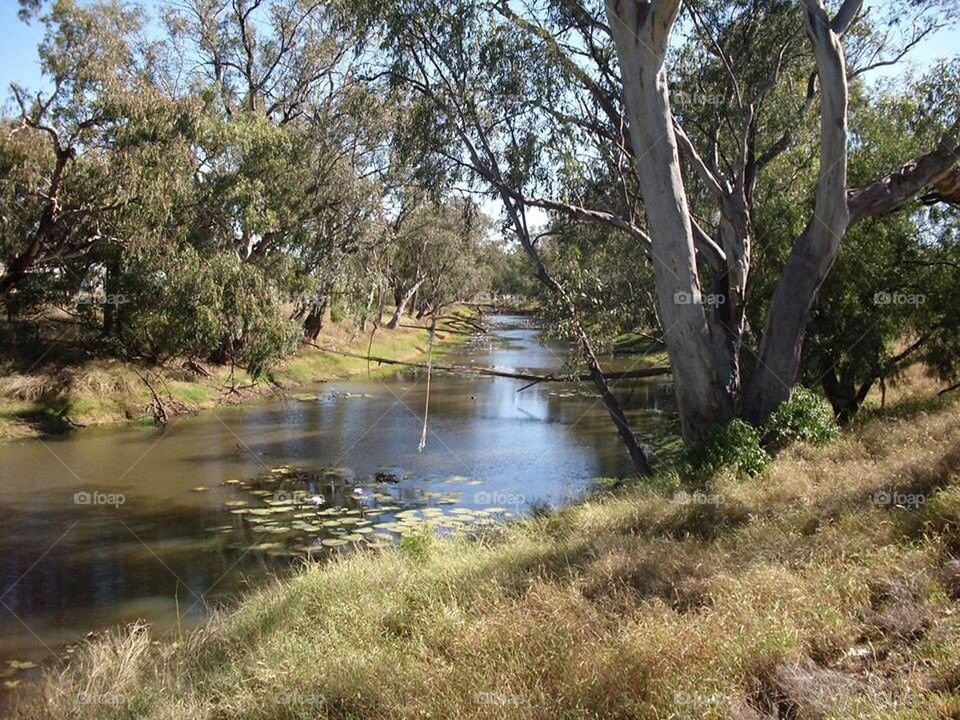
108,526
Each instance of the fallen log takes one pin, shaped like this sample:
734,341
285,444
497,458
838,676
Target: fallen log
532,378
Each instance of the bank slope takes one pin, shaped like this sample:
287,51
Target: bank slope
53,398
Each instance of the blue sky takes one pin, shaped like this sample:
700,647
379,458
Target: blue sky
18,49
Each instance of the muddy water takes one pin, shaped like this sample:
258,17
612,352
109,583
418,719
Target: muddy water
108,526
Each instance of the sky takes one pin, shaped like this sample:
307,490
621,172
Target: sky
19,62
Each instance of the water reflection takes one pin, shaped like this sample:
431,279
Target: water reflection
66,569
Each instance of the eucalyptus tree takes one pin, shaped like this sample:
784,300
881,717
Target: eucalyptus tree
890,299
293,138
455,265
478,87
407,238
86,153
538,96
704,348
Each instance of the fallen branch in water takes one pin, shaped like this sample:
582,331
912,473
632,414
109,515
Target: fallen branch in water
159,411
531,378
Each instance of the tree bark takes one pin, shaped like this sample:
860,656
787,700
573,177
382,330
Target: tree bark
402,305
24,262
814,252
700,360
313,322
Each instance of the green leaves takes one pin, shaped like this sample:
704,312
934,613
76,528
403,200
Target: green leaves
805,417
735,445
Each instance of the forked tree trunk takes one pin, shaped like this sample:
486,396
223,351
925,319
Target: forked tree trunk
814,252
313,322
402,305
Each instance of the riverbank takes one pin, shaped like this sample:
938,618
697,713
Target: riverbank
52,398
827,587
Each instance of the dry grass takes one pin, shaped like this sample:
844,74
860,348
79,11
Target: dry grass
799,594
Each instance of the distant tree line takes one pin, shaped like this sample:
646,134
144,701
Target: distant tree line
211,184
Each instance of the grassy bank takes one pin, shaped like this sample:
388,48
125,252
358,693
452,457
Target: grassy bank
825,588
54,396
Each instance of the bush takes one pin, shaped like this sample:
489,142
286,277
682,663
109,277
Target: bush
805,417
735,445
416,545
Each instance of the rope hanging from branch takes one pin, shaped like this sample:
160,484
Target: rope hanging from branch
426,405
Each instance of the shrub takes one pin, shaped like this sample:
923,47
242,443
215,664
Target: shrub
416,545
735,445
805,417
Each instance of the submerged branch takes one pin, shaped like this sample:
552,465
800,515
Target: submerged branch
492,372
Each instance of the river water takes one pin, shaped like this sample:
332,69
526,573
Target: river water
109,526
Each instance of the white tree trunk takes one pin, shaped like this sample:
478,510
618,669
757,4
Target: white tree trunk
814,252
640,31
402,305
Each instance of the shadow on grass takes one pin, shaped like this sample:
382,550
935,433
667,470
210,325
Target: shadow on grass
51,419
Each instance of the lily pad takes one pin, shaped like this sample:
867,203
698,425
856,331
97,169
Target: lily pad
267,546
21,664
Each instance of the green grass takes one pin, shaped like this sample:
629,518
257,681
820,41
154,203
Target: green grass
796,594
641,348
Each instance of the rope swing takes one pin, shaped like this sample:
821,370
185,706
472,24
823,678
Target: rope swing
426,405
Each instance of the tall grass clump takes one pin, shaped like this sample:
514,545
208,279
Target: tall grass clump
735,445
800,593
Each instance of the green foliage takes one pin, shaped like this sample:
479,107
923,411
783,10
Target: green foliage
221,219
805,417
890,299
182,304
735,445
417,545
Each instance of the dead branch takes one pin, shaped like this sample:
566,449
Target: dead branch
532,378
